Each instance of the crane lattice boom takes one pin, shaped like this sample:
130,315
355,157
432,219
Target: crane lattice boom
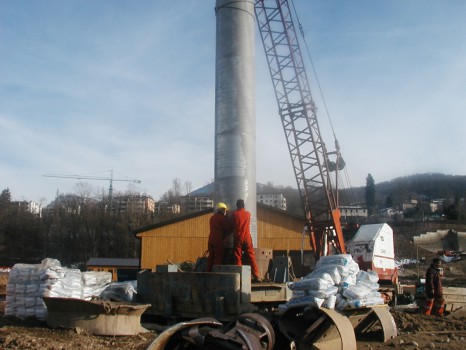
299,119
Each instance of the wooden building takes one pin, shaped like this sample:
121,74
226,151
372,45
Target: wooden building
185,238
121,269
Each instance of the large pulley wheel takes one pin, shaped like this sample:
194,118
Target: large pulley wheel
375,323
263,330
175,337
248,332
312,328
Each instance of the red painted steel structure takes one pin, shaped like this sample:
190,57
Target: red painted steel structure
298,114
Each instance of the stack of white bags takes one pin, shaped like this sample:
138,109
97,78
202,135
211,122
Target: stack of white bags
29,283
94,283
336,283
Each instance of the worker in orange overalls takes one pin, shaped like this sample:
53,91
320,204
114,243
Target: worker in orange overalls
220,228
242,239
435,303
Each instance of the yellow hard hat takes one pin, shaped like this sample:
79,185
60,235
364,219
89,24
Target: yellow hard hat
221,205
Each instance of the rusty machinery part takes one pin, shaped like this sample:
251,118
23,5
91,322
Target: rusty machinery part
248,332
258,326
171,338
376,323
310,328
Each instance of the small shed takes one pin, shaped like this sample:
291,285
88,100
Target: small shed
122,269
185,238
373,249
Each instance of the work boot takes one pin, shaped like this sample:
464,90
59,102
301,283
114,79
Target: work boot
438,308
427,309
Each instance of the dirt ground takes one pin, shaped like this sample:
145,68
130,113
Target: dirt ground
415,332
35,335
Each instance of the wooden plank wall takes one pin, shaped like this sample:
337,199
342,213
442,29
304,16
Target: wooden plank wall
178,242
187,240
279,231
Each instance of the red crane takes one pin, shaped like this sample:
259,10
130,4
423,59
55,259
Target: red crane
311,163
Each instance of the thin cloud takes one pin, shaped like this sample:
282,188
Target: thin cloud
129,86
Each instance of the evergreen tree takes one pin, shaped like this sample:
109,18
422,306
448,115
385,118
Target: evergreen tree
5,198
370,194
389,202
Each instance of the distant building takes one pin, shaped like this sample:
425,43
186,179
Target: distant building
27,207
168,208
353,211
390,212
120,268
68,203
276,200
203,198
436,205
128,204
413,203
134,204
198,200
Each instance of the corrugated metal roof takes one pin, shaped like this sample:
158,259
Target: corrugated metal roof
113,262
207,190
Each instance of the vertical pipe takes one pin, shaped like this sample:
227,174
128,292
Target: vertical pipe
235,124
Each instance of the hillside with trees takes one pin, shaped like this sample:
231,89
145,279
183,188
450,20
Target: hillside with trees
426,186
449,190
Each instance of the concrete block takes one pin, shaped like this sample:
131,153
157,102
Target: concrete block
245,278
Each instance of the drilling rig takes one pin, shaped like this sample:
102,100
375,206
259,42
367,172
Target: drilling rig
298,113
300,327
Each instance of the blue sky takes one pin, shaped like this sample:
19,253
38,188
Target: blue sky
88,86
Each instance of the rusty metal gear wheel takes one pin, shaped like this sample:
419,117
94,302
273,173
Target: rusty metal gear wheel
311,328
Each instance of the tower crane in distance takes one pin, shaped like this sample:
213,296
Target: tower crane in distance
91,177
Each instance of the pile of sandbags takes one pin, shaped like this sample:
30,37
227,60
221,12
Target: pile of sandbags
94,283
120,291
28,284
338,283
363,293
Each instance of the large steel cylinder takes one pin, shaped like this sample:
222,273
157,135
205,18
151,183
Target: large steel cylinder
235,134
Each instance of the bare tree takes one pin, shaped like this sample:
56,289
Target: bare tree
133,190
188,186
176,187
83,189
